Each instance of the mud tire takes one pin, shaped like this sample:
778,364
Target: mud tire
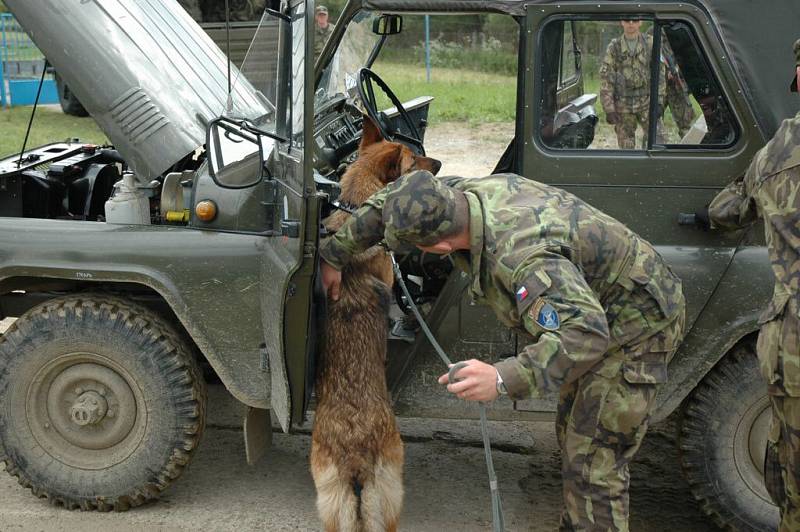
152,361
723,432
69,102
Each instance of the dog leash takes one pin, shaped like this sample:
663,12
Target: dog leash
497,508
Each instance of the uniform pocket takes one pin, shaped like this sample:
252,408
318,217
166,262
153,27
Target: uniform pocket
650,272
647,368
778,348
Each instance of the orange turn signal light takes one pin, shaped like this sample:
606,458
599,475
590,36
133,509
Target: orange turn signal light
206,210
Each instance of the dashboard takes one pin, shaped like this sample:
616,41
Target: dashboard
336,136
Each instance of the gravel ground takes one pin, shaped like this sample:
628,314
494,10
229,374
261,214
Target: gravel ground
445,482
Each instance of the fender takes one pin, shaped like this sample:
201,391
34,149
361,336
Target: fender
729,315
210,280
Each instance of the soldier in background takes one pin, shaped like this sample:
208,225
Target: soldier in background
771,190
625,84
677,94
240,10
193,8
322,30
602,310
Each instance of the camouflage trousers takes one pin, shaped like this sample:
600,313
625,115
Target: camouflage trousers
601,422
626,128
680,106
779,358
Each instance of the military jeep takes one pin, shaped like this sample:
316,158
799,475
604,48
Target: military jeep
192,242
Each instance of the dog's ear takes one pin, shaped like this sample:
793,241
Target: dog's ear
390,161
370,134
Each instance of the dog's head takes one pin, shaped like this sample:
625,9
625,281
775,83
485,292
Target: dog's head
389,160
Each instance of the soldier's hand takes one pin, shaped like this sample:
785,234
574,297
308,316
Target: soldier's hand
477,382
331,280
612,118
702,218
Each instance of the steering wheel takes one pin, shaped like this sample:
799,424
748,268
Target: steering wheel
367,79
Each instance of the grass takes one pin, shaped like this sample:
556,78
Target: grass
49,125
460,95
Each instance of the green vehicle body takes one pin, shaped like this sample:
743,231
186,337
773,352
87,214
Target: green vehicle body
243,285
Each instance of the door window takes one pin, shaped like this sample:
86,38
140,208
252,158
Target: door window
613,85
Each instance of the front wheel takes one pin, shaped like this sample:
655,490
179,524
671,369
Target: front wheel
723,437
101,404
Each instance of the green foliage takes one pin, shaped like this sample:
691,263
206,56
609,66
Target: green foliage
459,95
490,56
50,125
3,8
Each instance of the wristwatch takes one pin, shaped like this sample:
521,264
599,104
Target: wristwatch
500,385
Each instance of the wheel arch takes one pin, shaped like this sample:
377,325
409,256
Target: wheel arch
729,318
19,293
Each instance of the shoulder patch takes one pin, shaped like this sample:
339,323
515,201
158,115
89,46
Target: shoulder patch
544,315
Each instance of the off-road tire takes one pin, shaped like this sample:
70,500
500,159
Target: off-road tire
69,102
722,438
146,355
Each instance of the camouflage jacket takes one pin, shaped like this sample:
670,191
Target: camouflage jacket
549,265
770,189
321,36
625,77
241,10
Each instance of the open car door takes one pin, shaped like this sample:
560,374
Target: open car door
274,142
290,260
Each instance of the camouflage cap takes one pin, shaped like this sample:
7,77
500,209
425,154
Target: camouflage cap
793,87
420,210
321,9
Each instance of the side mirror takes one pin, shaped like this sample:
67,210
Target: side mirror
235,154
387,25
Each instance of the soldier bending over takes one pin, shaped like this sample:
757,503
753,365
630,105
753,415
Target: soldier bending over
604,312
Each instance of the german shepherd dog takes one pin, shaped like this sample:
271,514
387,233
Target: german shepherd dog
356,450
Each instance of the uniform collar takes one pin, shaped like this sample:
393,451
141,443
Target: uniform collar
640,44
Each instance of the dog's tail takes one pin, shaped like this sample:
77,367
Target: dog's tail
357,505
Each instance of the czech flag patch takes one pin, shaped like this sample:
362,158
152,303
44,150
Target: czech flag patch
522,293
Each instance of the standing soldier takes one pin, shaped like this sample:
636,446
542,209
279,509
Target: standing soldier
625,84
771,190
322,30
193,8
677,96
240,10
603,311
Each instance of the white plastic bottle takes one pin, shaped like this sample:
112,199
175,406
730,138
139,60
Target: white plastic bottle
128,204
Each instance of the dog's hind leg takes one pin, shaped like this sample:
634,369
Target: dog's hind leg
337,503
382,497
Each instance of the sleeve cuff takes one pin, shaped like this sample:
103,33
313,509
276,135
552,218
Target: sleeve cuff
518,380
330,253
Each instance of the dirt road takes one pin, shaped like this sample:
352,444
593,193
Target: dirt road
445,484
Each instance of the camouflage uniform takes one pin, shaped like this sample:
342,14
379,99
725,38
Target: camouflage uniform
625,87
677,95
604,313
321,35
240,10
771,190
193,8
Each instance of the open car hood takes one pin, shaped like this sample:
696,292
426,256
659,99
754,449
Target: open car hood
147,73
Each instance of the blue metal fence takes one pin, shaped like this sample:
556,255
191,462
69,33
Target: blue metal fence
21,65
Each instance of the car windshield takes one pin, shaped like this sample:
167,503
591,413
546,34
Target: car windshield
341,74
258,76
